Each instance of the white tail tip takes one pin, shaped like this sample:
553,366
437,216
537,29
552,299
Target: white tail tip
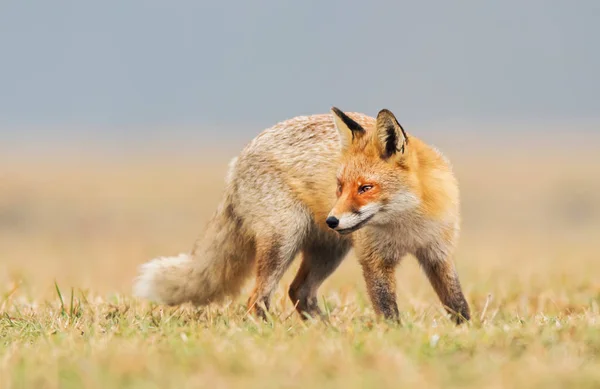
146,283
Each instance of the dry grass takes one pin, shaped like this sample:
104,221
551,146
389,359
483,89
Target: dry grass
72,232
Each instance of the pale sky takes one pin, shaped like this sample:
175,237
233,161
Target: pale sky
183,62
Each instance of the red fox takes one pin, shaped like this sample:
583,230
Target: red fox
317,186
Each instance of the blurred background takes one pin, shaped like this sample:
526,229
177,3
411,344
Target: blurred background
117,120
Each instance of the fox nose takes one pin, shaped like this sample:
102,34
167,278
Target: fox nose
332,221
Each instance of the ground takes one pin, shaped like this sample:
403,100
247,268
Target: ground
74,227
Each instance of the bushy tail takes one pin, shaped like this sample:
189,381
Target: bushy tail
220,263
168,280
180,279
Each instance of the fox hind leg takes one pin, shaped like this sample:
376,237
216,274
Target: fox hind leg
273,257
319,261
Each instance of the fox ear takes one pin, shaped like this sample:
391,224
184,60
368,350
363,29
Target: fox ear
390,137
348,128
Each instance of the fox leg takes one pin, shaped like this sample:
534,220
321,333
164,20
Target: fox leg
442,274
319,261
381,286
273,257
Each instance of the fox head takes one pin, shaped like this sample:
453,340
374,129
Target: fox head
375,181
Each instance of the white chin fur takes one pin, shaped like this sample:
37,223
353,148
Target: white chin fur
145,283
349,220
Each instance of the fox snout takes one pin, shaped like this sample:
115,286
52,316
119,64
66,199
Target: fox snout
347,222
332,222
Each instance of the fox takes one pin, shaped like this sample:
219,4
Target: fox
318,186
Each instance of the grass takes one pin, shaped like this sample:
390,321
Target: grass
72,235
123,343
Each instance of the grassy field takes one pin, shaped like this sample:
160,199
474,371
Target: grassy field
73,229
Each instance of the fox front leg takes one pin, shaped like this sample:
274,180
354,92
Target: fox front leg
381,286
440,271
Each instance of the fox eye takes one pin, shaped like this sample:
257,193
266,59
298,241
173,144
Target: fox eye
339,188
364,188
